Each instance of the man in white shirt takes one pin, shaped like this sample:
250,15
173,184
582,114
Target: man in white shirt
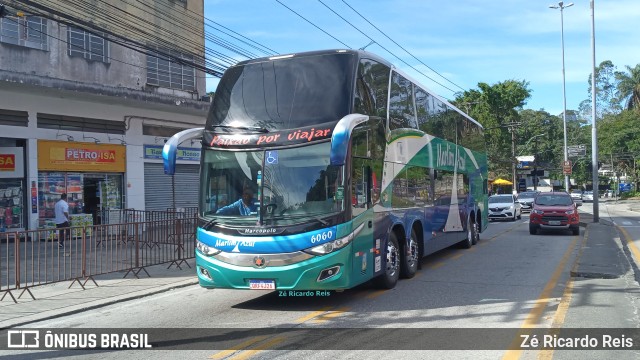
62,219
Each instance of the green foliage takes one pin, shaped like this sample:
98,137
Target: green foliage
629,87
496,106
630,194
619,133
607,101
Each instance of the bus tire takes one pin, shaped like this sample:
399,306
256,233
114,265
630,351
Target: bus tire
476,233
389,278
410,258
468,241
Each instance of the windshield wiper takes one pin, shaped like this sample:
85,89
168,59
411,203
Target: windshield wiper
310,217
253,128
209,224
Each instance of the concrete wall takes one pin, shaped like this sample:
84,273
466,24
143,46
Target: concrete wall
127,68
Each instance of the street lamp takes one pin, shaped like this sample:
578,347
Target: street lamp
562,6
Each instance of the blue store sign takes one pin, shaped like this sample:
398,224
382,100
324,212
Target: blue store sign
188,154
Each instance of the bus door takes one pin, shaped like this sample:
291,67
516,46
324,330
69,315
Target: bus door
360,196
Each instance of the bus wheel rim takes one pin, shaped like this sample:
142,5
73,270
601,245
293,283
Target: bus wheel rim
413,252
392,259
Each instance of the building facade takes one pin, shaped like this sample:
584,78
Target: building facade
83,113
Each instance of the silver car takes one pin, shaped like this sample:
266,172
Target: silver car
587,196
504,207
576,195
526,199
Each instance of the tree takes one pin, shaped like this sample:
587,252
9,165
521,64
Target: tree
607,101
619,133
629,87
496,106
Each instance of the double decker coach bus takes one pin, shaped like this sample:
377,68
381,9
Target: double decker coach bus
323,170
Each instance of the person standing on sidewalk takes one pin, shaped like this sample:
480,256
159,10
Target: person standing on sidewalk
62,219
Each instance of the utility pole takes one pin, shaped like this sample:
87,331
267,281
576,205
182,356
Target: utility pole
562,6
535,166
594,132
512,127
513,163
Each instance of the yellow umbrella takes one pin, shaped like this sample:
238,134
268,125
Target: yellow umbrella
502,182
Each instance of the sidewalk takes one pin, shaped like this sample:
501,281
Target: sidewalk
56,300
602,255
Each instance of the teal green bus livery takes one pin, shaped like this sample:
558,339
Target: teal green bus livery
324,170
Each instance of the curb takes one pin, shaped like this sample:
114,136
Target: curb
115,300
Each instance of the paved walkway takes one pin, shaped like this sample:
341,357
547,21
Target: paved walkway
55,300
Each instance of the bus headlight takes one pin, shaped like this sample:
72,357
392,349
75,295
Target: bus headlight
206,249
335,244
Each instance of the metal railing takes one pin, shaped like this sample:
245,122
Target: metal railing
34,257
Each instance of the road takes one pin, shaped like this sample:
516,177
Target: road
511,280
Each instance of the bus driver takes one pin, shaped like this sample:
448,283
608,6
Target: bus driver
244,206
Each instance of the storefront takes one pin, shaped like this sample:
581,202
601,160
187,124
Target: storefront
160,188
13,204
92,176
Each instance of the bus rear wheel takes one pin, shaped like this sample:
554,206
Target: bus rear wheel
410,257
471,235
389,278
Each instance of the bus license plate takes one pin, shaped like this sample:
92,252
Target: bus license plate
554,222
262,285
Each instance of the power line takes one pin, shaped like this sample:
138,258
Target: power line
116,22
319,28
272,52
387,50
137,46
92,52
400,46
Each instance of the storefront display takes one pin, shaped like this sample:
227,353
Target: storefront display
11,206
90,174
88,194
12,189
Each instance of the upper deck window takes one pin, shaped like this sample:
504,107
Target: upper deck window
286,93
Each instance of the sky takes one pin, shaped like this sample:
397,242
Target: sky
466,41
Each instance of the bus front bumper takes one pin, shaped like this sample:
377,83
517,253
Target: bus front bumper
325,272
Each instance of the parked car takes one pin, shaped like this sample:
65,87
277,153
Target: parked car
576,195
554,211
526,199
587,196
504,207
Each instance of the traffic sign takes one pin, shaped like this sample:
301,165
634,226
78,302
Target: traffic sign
566,167
576,150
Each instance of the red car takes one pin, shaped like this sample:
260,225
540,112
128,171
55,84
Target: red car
554,211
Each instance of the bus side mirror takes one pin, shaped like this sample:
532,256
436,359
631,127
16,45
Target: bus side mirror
341,136
170,149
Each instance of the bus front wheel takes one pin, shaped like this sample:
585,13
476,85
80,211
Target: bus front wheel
389,278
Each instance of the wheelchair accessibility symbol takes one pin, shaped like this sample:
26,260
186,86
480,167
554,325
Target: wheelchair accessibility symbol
272,157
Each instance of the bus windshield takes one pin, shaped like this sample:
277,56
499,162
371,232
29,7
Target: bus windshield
273,187
286,93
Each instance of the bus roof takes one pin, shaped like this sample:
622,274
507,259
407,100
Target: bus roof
360,54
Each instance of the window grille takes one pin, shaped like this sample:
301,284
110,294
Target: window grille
84,44
74,123
27,31
170,74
